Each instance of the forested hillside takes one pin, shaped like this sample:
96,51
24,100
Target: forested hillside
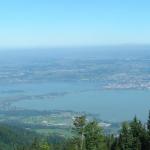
87,135
12,137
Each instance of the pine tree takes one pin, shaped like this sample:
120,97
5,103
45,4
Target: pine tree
125,138
136,130
148,123
79,124
94,139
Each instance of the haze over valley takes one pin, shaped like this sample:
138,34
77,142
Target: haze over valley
102,82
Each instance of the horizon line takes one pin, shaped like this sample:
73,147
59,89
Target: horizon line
73,46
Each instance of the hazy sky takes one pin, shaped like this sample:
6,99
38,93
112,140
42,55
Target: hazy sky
38,23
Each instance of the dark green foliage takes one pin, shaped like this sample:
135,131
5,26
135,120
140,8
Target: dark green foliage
79,124
94,138
133,136
148,123
125,138
12,137
87,136
110,142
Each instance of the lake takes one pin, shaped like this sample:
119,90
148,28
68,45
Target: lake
110,105
67,79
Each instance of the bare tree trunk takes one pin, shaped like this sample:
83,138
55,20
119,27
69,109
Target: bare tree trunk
82,141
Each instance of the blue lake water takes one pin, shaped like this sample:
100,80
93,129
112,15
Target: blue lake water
111,105
109,65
